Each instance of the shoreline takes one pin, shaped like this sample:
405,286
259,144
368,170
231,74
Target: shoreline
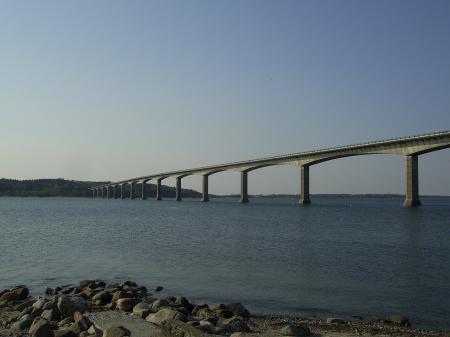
62,309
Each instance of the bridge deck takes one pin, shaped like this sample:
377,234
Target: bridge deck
394,145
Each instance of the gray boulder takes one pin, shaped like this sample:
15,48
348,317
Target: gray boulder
69,305
22,324
217,306
51,304
142,309
85,283
295,330
233,324
164,315
26,316
40,328
120,294
174,328
39,303
15,294
25,304
205,313
116,331
238,310
27,310
126,304
49,291
207,327
198,307
80,324
184,302
158,304
104,296
51,315
78,327
137,326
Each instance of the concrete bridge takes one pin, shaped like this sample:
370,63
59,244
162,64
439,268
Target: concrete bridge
409,147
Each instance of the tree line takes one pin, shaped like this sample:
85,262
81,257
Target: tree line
73,188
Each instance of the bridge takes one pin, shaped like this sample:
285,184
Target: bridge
409,147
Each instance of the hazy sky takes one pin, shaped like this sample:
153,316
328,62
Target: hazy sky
107,90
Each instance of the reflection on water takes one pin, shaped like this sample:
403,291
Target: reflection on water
371,259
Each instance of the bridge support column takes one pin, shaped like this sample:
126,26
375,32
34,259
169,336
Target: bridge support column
304,185
412,182
132,190
97,193
244,187
205,196
158,189
114,191
178,189
108,192
122,191
143,191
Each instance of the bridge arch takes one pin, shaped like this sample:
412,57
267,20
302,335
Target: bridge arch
205,180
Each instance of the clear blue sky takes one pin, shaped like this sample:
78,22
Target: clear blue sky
106,90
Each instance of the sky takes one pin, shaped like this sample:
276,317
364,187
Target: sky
109,90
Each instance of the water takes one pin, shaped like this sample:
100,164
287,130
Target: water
328,259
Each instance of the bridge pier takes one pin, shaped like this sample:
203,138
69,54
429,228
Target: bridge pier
108,192
178,189
205,196
132,189
143,191
158,189
412,182
97,193
122,191
244,187
114,188
304,185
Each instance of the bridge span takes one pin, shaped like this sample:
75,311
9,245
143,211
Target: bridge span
409,147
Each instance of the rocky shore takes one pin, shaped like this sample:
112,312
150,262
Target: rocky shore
97,309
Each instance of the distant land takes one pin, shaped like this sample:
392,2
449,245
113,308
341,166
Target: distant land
73,188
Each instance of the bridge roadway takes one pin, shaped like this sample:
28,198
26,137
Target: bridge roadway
409,147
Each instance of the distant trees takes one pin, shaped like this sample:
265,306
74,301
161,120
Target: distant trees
71,188
45,188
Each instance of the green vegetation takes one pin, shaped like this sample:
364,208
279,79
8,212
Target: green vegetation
73,188
45,188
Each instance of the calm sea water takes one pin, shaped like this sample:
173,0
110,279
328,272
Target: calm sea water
328,259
